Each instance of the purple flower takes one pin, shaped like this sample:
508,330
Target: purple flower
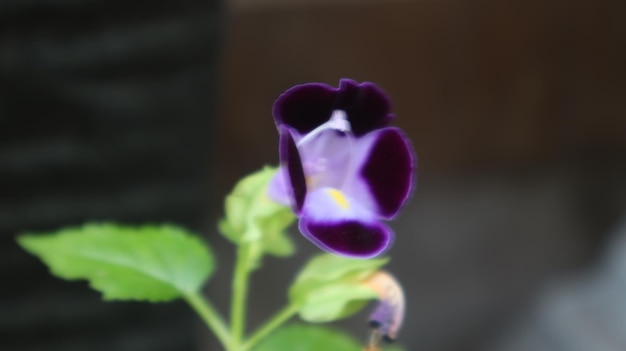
343,170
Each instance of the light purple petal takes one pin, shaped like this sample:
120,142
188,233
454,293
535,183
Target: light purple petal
357,187
277,189
290,160
330,204
327,159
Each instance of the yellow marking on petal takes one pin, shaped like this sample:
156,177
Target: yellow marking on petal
339,198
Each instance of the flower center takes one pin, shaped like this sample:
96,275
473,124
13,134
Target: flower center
328,158
339,198
338,121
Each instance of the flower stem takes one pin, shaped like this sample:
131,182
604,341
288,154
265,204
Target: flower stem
276,321
211,317
239,295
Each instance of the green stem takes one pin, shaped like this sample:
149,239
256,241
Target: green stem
276,321
211,317
240,294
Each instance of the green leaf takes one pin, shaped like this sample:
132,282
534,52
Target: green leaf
329,287
275,241
148,263
251,217
334,301
308,338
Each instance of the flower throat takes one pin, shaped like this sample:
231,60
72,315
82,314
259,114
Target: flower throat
338,121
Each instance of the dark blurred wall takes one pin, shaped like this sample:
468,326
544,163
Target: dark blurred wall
516,110
476,83
107,112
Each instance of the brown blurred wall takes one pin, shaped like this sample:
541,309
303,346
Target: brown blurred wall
475,83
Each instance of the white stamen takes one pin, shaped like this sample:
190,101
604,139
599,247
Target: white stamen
338,121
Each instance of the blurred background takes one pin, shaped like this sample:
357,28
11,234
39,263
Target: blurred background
115,110
107,112
517,112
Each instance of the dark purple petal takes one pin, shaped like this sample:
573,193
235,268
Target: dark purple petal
367,106
348,238
305,106
388,171
290,158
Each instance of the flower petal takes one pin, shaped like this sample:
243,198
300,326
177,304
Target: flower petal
290,159
348,238
342,225
278,190
367,106
327,159
388,170
306,106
